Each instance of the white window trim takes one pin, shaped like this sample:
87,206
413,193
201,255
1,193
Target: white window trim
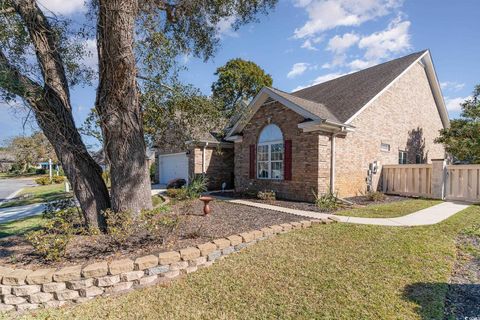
269,161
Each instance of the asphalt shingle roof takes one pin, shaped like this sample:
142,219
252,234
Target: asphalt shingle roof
339,99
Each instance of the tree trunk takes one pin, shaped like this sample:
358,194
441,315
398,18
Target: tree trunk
52,107
82,171
119,107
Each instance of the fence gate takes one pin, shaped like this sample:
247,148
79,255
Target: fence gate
407,179
462,182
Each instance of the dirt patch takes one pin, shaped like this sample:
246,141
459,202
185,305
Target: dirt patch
360,201
463,297
194,228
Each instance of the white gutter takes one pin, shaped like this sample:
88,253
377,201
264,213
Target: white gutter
204,157
332,163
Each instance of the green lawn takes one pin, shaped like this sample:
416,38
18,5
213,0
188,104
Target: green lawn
389,210
19,227
7,175
39,194
337,271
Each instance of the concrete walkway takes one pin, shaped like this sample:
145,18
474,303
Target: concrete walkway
20,212
428,216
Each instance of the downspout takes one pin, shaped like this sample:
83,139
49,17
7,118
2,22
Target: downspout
332,163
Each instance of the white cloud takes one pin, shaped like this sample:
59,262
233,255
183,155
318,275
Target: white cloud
309,43
225,27
454,104
340,44
394,39
328,14
297,69
452,85
65,7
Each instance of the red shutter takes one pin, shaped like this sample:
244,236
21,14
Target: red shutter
287,163
252,161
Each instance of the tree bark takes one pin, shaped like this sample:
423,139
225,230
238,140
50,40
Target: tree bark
118,106
52,107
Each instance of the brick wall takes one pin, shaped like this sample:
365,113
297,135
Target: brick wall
310,155
405,117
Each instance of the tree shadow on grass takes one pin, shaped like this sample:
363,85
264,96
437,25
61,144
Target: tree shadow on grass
445,301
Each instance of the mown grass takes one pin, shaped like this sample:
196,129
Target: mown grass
389,210
37,194
338,271
20,227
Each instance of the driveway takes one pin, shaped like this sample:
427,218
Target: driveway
8,187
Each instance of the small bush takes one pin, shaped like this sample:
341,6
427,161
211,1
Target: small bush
43,181
158,223
326,202
40,171
31,170
120,226
266,195
58,179
178,194
52,240
198,185
376,196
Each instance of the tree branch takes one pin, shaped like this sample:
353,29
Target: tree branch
155,81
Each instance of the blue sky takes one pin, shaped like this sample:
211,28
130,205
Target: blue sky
303,42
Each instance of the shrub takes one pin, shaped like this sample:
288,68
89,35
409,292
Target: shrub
31,170
120,226
266,195
43,181
376,196
58,179
326,202
176,183
158,223
198,185
178,194
52,240
40,171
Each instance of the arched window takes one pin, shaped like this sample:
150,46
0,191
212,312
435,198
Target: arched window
270,153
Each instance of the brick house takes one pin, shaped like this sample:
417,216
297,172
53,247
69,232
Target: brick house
337,135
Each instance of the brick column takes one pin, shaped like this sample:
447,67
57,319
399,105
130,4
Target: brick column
438,178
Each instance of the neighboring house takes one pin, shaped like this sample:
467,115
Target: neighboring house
208,155
7,160
339,133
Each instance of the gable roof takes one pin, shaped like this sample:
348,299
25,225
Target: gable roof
346,95
340,100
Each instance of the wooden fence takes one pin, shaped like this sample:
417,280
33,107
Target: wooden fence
407,179
451,182
462,182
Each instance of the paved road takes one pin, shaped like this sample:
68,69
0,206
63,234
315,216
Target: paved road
15,213
9,186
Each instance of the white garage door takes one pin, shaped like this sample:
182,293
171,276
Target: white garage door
173,166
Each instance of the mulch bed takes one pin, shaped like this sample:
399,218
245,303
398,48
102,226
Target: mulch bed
358,201
463,297
194,228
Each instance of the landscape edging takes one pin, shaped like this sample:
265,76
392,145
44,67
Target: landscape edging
22,289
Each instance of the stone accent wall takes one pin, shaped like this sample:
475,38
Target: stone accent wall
310,156
405,116
23,290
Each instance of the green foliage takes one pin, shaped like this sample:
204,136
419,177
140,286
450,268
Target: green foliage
58,179
376,196
239,80
462,139
153,171
43,181
120,226
266,195
178,194
91,126
196,186
158,223
52,239
327,202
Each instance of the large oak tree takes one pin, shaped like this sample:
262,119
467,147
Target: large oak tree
131,35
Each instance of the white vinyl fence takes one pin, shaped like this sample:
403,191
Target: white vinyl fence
450,182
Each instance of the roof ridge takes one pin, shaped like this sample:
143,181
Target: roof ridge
368,68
